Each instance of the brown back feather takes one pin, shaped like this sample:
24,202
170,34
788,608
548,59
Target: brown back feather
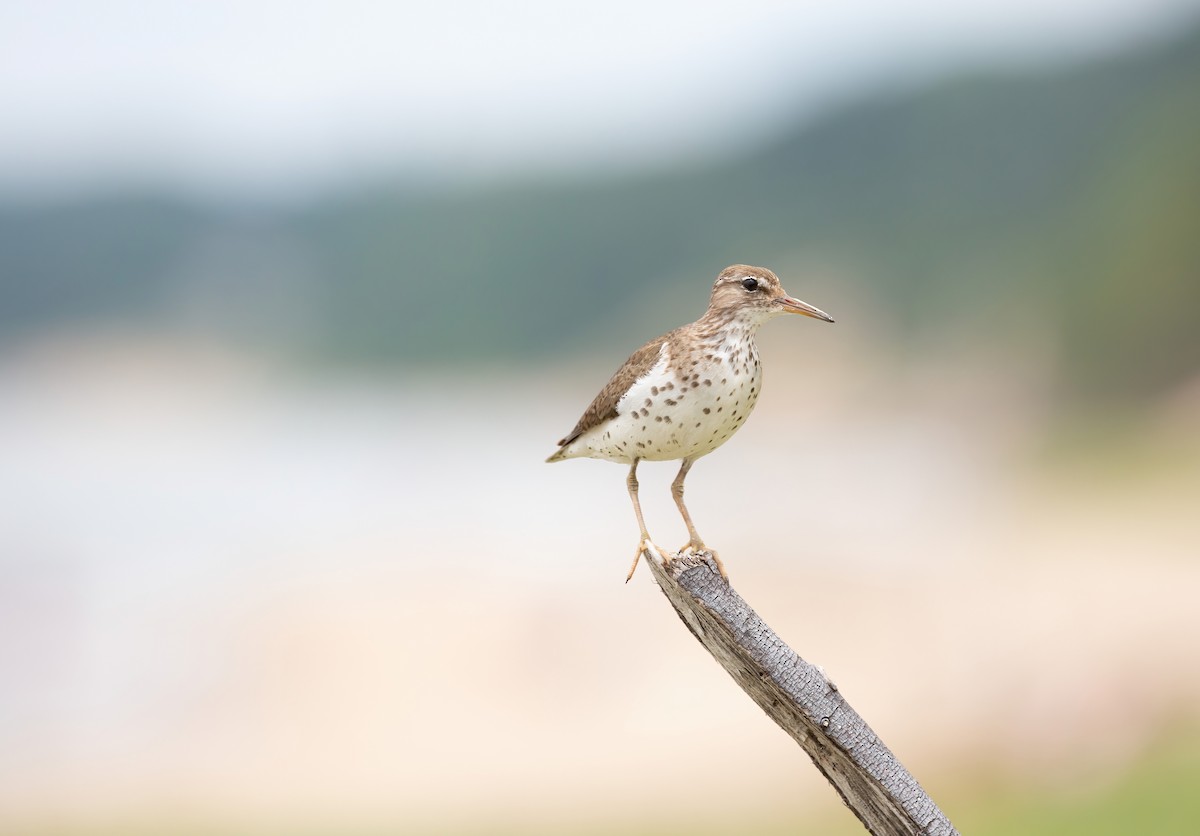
604,407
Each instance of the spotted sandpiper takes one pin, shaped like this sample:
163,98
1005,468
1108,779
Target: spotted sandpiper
682,395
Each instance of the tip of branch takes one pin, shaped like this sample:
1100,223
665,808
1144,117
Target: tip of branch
673,564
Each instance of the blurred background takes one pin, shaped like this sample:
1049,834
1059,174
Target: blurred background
295,299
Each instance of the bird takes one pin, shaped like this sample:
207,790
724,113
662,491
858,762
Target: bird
683,394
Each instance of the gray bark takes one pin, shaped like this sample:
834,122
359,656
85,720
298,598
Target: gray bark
800,698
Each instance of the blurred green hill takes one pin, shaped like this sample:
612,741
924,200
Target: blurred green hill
1064,202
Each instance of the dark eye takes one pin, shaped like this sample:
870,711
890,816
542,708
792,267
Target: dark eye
750,284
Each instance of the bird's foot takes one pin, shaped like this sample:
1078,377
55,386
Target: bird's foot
697,547
643,544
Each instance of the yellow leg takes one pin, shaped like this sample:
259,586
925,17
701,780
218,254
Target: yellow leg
696,544
632,484
677,493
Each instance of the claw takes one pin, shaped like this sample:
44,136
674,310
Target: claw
720,565
642,545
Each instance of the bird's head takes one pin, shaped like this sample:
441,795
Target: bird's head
754,295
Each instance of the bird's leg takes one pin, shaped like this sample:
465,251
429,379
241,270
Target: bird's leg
632,484
696,543
677,492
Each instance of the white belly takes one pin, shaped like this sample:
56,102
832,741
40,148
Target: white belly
670,414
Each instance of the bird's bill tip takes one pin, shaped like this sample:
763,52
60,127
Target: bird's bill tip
795,306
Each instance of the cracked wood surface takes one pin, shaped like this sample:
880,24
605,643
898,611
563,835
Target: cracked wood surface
800,698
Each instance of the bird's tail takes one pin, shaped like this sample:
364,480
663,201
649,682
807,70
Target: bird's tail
564,445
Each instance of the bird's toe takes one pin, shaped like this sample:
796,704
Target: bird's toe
644,545
720,566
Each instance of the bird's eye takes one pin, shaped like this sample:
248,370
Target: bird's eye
750,284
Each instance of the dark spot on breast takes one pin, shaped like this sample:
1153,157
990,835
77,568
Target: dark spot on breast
697,424
658,418
649,402
707,382
667,418
653,390
639,444
719,408
645,412
707,410
724,380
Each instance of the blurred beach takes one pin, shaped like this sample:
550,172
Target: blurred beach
234,597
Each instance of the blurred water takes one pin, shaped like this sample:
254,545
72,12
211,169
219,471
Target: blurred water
255,595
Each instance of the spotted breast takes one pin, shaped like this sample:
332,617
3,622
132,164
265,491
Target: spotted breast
691,399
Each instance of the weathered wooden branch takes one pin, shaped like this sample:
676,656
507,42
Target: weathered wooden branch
800,698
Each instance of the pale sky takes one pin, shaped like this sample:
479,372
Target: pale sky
263,96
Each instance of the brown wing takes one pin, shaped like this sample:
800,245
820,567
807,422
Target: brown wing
604,407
